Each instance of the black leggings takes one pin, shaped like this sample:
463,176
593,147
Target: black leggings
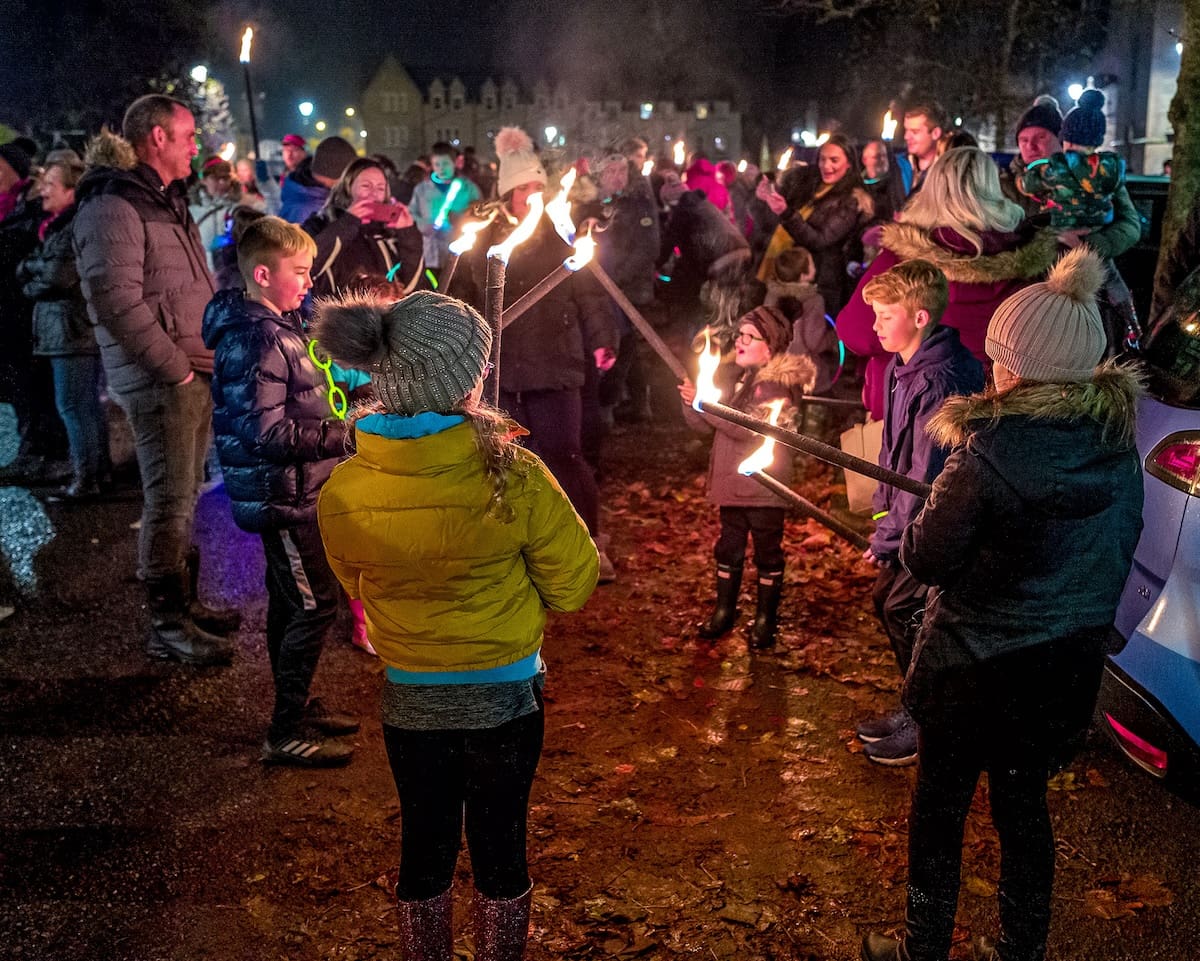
486,774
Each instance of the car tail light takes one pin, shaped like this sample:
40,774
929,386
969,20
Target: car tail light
1176,461
1153,759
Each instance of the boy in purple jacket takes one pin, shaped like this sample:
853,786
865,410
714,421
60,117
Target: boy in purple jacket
930,364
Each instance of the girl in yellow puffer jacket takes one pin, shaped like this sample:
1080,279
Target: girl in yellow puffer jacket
456,540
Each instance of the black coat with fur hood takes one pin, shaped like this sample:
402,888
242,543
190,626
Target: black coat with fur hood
1030,530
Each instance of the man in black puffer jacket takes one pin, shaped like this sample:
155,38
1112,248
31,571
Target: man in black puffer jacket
279,440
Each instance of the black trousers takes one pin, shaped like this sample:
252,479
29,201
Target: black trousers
554,420
482,777
763,525
302,599
899,601
1019,717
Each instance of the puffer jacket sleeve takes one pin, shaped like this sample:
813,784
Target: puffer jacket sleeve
835,220
110,248
943,539
560,558
256,399
1115,238
49,273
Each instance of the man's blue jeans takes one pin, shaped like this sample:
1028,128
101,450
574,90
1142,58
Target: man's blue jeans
171,428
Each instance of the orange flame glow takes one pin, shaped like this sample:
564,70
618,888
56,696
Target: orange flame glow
761,459
466,240
785,161
523,232
647,168
247,37
889,126
706,390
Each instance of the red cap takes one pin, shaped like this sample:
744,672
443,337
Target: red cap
295,140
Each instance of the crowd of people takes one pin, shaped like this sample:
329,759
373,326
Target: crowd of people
352,437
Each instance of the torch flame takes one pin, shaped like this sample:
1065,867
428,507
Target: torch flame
466,240
761,459
228,152
679,153
785,160
523,232
706,390
247,37
647,168
741,166
889,126
559,209
585,249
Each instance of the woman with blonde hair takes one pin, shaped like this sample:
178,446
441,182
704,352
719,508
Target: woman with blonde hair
961,222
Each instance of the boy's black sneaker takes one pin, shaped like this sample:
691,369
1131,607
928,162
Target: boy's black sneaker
318,716
899,749
878,728
306,751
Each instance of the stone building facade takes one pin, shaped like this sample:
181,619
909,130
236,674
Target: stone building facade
402,120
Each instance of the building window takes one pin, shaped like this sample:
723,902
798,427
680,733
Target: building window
646,111
701,111
456,103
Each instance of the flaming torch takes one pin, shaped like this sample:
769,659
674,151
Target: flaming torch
708,401
460,245
889,126
493,304
647,168
679,154
785,159
756,466
741,166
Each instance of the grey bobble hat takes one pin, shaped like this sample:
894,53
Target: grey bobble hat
1051,332
425,352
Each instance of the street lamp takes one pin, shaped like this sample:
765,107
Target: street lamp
244,57
320,125
349,111
199,73
1075,91
306,109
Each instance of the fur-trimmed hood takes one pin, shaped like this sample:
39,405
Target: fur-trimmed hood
1057,446
793,371
1016,260
1109,400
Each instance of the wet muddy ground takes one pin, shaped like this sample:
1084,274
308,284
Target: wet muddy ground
693,801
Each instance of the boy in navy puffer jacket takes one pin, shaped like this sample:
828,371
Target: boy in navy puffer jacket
278,441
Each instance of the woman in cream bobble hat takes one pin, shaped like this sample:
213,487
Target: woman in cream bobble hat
1027,539
456,540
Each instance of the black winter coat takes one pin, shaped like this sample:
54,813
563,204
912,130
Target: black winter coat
276,436
18,239
352,255
710,248
60,319
1028,535
832,235
547,347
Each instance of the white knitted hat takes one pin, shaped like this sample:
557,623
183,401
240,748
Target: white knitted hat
519,164
1051,331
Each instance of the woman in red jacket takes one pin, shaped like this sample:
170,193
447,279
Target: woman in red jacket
962,223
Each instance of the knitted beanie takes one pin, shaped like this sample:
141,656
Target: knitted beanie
773,325
1044,113
331,158
519,164
426,352
217,167
1051,331
20,160
1085,124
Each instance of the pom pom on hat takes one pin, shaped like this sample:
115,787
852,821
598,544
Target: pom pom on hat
426,352
1052,332
1085,124
1044,113
519,164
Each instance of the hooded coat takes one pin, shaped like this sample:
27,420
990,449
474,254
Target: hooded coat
783,377
300,194
275,433
702,175
1027,538
978,285
145,275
